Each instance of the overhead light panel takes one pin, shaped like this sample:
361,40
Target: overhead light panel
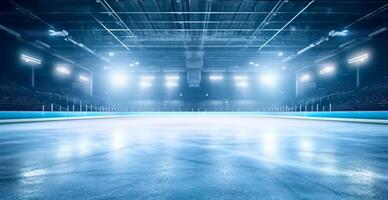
62,33
342,33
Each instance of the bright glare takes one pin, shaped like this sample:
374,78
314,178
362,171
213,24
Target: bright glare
251,63
327,70
63,70
149,78
240,78
242,84
111,54
268,79
84,78
145,84
280,54
137,63
172,77
359,59
304,78
216,77
171,84
118,79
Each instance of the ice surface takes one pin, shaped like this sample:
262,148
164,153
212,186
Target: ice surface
193,157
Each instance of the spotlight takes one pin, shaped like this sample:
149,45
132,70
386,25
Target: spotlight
111,54
251,63
63,70
118,79
304,78
268,79
327,70
137,63
280,54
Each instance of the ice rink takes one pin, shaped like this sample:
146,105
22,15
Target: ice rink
193,157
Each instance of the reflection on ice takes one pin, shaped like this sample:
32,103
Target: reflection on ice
306,148
84,146
118,139
64,151
269,145
33,173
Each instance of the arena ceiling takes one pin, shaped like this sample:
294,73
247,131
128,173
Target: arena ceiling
159,33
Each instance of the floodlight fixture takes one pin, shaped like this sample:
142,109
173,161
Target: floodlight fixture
63,70
359,59
242,84
240,77
84,78
145,84
304,78
328,69
147,77
171,84
30,60
216,77
172,77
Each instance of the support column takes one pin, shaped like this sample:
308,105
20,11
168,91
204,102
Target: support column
33,76
194,64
